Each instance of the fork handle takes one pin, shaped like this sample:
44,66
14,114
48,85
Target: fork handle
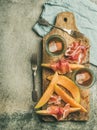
62,29
34,92
56,27
33,76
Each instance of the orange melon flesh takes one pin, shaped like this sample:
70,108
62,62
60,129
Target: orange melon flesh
76,66
43,112
46,112
69,85
49,91
72,66
66,98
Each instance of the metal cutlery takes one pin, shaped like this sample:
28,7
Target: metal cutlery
72,33
34,71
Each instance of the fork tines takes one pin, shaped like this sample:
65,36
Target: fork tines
34,61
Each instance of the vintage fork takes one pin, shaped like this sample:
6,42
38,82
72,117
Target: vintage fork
72,33
34,71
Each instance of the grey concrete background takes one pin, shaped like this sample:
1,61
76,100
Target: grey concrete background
17,43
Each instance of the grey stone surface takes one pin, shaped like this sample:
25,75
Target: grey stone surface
17,43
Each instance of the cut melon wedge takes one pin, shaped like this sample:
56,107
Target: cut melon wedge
68,99
72,66
69,85
49,91
46,112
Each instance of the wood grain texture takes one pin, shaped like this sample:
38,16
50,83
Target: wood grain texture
69,23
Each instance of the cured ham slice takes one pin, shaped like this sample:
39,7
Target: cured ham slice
58,112
62,66
76,52
55,99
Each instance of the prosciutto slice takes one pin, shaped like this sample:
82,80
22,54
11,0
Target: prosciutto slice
61,66
58,112
55,99
76,52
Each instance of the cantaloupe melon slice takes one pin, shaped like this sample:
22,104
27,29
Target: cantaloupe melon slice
68,99
69,85
46,112
49,91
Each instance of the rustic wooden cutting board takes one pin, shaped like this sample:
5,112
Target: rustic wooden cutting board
65,20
